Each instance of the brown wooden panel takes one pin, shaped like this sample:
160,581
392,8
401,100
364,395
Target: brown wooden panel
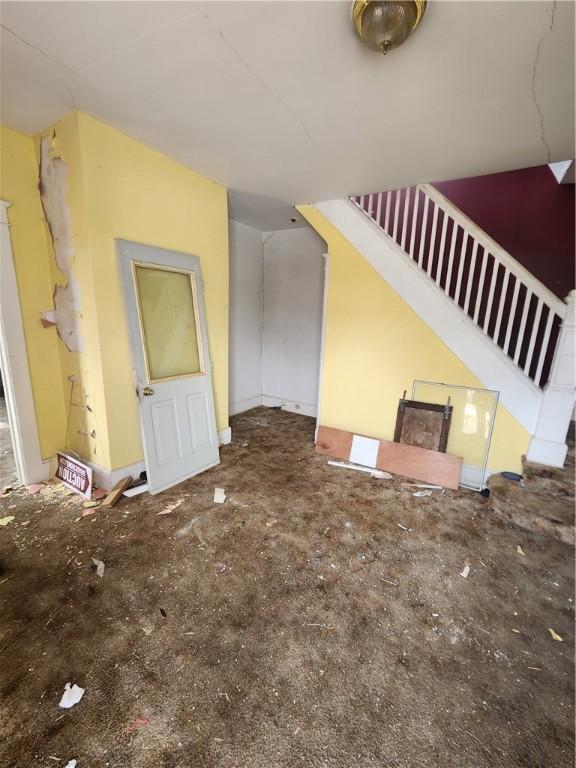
334,442
420,464
425,425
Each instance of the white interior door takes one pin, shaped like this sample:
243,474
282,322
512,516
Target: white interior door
167,325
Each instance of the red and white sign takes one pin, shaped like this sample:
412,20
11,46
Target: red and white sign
74,474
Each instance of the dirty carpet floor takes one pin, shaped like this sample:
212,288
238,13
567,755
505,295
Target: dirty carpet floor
315,619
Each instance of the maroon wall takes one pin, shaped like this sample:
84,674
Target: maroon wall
529,214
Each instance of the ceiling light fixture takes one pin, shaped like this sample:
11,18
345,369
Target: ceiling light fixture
385,24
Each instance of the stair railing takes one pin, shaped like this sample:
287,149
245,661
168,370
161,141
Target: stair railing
511,306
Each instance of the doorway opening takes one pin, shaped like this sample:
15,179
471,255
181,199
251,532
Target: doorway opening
277,268
19,431
8,472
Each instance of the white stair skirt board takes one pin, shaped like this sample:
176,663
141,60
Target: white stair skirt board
244,405
493,368
307,409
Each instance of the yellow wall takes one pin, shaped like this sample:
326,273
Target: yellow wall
376,346
120,188
117,188
35,274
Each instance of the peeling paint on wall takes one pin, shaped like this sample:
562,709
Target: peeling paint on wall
53,195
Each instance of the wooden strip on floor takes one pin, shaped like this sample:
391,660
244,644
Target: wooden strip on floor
406,460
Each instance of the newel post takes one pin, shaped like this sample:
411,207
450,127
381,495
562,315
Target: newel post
548,445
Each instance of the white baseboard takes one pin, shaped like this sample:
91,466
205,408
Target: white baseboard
244,405
106,478
225,436
307,409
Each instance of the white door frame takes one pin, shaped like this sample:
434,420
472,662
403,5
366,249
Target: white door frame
15,372
326,259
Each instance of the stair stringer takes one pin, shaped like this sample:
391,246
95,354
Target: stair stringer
477,351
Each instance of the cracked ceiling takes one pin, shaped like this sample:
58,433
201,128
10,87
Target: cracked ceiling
281,100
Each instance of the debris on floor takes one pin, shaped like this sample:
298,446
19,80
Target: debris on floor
71,764
137,723
99,493
7,490
220,567
7,519
370,662
71,696
115,494
136,489
99,567
520,550
420,494
89,504
465,572
555,636
35,487
219,496
171,507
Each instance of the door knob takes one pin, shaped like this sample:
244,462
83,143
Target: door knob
147,391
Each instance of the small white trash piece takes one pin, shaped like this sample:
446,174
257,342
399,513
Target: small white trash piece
71,696
465,572
71,764
99,567
219,496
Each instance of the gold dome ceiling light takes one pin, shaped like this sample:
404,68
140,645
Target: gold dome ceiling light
386,24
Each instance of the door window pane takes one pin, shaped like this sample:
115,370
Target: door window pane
166,301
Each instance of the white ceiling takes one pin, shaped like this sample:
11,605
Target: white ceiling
264,213
281,100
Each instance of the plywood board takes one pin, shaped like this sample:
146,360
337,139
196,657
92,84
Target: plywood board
420,464
406,460
334,442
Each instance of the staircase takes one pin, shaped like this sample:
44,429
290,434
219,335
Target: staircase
505,301
510,330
